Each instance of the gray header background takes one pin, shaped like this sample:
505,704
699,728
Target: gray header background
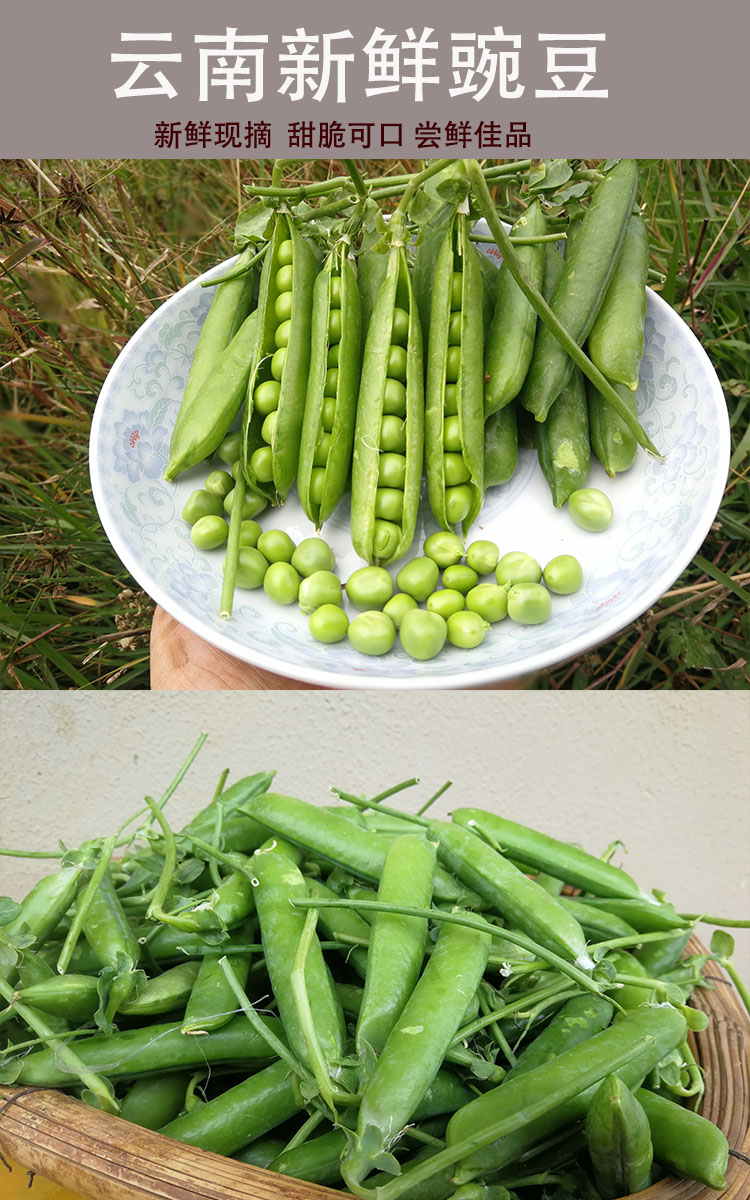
676,72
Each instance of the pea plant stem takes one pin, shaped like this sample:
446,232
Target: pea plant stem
239,269
545,313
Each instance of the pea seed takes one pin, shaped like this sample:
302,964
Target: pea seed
418,577
454,329
455,470
391,471
249,533
268,428
457,503
400,327
332,381
450,398
276,546
397,606
335,293
285,252
489,600
317,484
266,397
517,567
282,334
322,587
466,629
328,413
333,355
456,290
372,633
563,575
320,458
452,363
460,577
591,509
328,623
209,532
283,307
261,463
311,555
220,483
529,603
277,363
281,583
445,548
231,447
447,601
251,568
202,503
369,587
334,325
252,505
482,556
385,539
393,435
394,398
422,634
285,278
389,504
397,363
452,434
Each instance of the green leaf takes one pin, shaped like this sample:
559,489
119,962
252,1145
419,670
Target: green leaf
550,175
9,910
252,224
722,944
695,1018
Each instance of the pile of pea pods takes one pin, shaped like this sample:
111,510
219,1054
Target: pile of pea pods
367,997
370,356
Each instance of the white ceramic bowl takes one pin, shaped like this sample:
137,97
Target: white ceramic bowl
663,512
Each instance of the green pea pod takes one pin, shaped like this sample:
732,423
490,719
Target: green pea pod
616,337
335,921
168,942
72,996
229,904
152,1102
416,1046
317,1160
630,996
46,904
163,993
561,859
596,923
211,409
684,1141
262,1152
397,943
644,915
454,438
281,926
658,957
240,1114
510,342
619,1140
284,442
238,832
500,446
230,307
151,1049
611,440
107,928
376,540
578,1019
324,449
212,1003
582,286
665,1025
563,441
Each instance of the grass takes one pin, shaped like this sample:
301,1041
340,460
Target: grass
89,249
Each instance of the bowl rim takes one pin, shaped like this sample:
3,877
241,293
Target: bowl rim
480,677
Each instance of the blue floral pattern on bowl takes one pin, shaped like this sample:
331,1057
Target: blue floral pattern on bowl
663,511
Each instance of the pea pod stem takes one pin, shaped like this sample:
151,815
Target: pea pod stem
305,191
543,310
238,271
506,1010
724,922
155,910
434,797
321,1069
375,804
233,548
434,914
489,238
84,903
274,1043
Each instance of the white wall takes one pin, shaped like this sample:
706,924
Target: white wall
667,773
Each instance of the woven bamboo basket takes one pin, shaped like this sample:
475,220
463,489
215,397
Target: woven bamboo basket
104,1158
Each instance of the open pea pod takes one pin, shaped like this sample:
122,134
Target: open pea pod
331,405
454,405
389,434
280,361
